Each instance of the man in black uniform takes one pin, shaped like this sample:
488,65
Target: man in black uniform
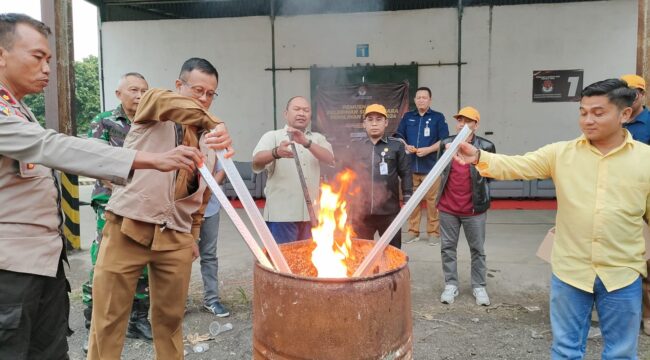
380,162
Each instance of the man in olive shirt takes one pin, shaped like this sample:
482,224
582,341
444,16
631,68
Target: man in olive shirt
111,127
286,211
603,197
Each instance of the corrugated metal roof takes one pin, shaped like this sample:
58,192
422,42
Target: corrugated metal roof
125,10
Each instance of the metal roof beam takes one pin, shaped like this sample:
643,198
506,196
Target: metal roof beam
124,10
154,2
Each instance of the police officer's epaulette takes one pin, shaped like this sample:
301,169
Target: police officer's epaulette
9,105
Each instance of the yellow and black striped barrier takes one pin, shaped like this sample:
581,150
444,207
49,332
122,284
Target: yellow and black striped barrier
70,207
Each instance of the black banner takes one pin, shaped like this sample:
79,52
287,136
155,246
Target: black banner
557,85
339,108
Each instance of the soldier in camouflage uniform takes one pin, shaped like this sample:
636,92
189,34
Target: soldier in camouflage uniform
111,127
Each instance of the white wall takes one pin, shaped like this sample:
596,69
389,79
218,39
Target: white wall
423,36
239,48
502,46
599,37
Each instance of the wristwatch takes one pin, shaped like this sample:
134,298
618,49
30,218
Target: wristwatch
308,144
478,156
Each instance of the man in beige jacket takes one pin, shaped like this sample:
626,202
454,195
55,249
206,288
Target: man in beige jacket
155,220
34,302
286,211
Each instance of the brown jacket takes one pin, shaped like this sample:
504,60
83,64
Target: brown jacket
172,200
30,218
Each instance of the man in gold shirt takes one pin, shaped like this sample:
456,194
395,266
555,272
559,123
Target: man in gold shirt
603,195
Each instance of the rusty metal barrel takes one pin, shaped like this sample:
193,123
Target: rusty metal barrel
298,317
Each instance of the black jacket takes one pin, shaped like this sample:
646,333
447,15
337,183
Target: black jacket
480,189
380,193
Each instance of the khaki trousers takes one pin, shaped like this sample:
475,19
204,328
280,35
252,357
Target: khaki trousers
646,294
433,225
119,265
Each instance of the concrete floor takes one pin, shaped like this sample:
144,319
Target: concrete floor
505,330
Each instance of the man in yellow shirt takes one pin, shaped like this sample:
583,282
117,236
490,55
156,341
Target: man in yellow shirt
603,195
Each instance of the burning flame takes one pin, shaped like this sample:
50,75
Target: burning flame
333,233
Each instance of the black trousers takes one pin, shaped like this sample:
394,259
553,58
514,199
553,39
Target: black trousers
34,313
367,225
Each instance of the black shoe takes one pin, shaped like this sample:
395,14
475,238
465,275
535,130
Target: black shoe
217,309
139,328
88,313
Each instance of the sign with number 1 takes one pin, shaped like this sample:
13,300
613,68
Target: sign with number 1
557,85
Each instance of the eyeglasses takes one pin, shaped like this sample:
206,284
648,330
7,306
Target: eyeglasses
199,91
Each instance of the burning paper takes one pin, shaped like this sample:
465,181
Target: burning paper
333,233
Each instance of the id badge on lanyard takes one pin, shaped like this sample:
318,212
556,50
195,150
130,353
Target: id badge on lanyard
427,130
383,166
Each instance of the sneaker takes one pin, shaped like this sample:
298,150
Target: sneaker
434,240
217,309
481,296
449,295
412,238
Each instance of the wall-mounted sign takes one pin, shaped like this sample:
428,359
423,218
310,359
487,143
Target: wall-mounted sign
557,85
339,108
340,94
363,50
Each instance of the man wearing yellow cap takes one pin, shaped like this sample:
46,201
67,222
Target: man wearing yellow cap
380,163
639,124
463,201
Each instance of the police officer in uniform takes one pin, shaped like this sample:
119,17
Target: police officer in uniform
34,303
